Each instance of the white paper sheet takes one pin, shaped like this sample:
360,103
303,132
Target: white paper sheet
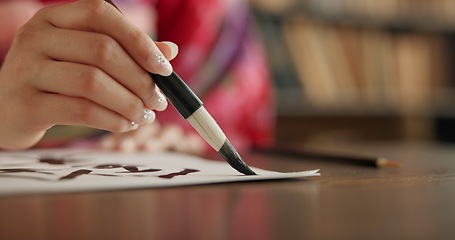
52,171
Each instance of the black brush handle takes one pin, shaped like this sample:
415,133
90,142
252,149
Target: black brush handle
179,94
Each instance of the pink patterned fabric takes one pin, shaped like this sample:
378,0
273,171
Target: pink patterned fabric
241,102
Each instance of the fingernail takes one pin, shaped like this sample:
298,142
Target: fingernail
174,49
133,126
164,66
148,116
158,101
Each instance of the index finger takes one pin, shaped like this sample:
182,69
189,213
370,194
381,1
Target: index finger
100,16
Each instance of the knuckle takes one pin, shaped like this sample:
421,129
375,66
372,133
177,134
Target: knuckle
94,10
91,81
42,12
25,35
84,113
103,48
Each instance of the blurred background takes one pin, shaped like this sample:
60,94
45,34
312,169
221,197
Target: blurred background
361,70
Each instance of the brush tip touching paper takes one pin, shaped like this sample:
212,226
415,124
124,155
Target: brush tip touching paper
231,156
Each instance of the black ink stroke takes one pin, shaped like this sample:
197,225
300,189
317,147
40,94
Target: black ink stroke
52,161
76,174
181,173
22,170
128,168
134,169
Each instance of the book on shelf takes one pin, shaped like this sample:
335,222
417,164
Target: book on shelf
344,67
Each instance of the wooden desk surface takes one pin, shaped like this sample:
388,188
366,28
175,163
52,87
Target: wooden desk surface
416,201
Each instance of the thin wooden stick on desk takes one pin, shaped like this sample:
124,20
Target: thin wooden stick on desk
323,156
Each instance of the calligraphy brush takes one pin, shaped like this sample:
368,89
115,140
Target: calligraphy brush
328,157
190,107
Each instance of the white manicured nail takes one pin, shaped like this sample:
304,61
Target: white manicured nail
164,66
159,101
133,126
148,116
174,49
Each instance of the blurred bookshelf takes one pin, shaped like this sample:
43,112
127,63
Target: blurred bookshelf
361,69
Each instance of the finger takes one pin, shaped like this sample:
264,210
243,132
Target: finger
100,16
105,53
64,110
78,80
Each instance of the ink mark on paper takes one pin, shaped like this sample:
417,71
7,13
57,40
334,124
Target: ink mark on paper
105,170
21,170
181,173
76,174
134,169
128,168
52,161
